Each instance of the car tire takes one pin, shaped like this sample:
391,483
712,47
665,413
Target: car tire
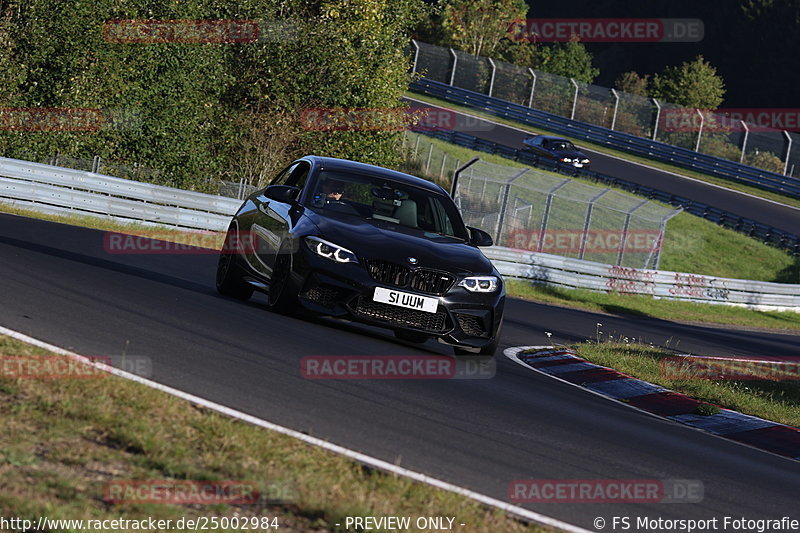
229,283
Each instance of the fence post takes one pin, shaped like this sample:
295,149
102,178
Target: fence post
658,117
574,100
788,150
546,214
444,160
616,108
416,146
744,141
491,81
625,226
416,55
533,87
428,164
700,132
455,62
504,205
588,221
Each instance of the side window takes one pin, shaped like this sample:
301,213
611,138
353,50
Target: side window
299,175
283,177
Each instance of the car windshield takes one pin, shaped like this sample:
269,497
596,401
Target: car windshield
561,145
388,202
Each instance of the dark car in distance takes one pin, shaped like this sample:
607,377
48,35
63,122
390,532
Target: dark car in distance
346,239
556,149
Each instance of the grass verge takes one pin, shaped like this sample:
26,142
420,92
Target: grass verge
778,401
646,306
787,200
64,440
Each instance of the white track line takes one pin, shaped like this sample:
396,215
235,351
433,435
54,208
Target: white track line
518,512
613,156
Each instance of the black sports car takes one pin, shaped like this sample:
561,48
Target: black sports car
557,149
346,239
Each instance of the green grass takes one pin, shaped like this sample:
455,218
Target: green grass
63,440
773,400
646,306
787,200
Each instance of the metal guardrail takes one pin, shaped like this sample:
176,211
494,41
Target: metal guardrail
763,232
54,189
575,273
659,151
64,190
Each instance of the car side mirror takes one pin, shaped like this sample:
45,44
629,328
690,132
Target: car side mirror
282,193
478,237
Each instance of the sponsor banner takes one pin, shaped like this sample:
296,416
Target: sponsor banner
396,367
606,491
592,241
607,30
689,368
727,120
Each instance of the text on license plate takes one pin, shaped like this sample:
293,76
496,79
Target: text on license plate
404,299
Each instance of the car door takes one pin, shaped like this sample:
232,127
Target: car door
272,223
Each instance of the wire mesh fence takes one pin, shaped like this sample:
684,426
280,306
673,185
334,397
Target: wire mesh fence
711,133
530,209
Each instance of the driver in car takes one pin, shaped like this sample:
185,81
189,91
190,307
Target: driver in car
333,190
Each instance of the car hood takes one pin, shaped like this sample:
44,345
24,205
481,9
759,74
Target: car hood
373,239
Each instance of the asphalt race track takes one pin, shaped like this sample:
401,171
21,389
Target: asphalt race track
779,216
60,286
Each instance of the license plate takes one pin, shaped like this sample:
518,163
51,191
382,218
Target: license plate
405,299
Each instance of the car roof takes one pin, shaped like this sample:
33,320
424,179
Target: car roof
332,163
552,138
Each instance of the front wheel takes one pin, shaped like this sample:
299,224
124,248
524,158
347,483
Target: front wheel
280,296
228,281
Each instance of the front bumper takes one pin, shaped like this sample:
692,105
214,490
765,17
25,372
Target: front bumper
346,290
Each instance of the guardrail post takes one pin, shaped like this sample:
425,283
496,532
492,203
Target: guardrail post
96,164
744,141
588,221
533,87
491,81
700,131
658,117
455,62
504,205
788,150
546,214
574,100
416,55
616,108
625,227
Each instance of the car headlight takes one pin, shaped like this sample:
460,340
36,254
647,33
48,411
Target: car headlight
566,160
331,251
585,161
479,283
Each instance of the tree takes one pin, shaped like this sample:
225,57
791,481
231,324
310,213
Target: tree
631,82
478,26
570,59
694,84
